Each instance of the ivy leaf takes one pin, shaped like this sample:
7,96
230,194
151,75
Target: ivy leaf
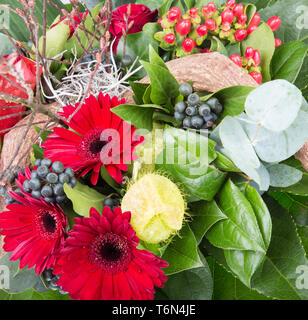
279,109
139,90
262,39
83,198
182,254
288,60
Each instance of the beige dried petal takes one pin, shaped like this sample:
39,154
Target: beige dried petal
302,155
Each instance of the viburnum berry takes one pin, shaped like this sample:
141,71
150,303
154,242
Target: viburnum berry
169,38
240,34
238,10
231,3
236,59
188,45
183,27
193,12
274,23
257,76
242,19
255,20
211,24
227,16
211,6
256,57
249,53
202,30
278,42
251,29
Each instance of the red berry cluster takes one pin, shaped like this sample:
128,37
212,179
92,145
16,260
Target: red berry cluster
186,33
250,62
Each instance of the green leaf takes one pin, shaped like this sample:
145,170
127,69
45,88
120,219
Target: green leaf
217,46
288,60
250,10
139,90
303,234
228,287
6,46
186,156
204,215
151,4
141,116
20,279
31,294
235,140
44,134
83,198
240,231
155,58
38,152
182,254
283,176
262,39
164,85
274,105
277,275
225,164
17,27
193,284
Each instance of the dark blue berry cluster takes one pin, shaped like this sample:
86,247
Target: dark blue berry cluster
111,203
48,179
3,189
196,114
51,280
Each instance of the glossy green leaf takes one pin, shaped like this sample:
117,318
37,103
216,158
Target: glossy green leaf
182,254
288,60
274,105
262,39
283,176
83,198
225,164
139,90
303,234
240,231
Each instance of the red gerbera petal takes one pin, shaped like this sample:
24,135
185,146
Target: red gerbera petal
118,269
101,139
33,230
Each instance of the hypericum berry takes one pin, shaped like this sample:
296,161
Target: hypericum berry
255,20
179,116
187,122
211,6
169,38
204,110
231,3
180,107
240,34
238,10
173,15
226,26
251,29
242,19
188,44
206,12
256,57
274,23
211,24
257,76
183,27
236,59
177,10
185,89
227,16
202,30
193,12
249,53
278,42
57,167
197,122
191,110
193,99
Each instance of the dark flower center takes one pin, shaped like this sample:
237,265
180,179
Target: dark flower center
96,146
47,224
111,253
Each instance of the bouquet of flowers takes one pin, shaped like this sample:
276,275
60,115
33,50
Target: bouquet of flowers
153,150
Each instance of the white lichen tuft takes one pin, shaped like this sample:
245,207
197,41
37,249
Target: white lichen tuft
108,79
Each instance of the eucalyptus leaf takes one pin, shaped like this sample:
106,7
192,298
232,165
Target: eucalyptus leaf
83,198
283,176
274,105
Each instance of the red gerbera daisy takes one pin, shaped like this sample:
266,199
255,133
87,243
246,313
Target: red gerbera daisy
34,230
101,139
100,260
